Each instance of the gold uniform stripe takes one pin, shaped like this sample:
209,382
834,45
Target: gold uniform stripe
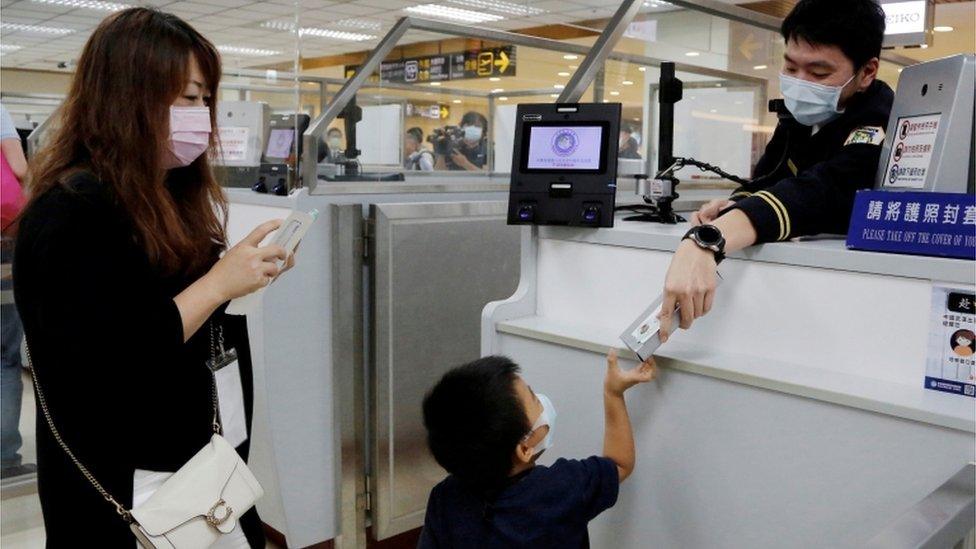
781,212
791,166
741,193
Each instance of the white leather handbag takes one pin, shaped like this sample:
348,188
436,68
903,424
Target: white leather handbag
194,507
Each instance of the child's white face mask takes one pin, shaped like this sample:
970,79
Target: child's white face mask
546,418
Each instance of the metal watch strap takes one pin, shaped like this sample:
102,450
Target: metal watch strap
42,402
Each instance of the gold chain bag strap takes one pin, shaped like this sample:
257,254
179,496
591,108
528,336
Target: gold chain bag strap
200,502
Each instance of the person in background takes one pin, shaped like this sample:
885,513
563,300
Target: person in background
629,148
123,273
333,143
487,428
471,152
13,172
816,161
416,157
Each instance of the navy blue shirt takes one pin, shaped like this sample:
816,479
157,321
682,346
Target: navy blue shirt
544,507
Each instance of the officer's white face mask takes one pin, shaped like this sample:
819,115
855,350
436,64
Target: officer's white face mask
811,103
546,418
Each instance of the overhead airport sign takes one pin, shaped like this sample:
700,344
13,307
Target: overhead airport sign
908,22
465,65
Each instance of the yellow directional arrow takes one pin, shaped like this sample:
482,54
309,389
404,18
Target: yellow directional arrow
445,112
749,46
502,61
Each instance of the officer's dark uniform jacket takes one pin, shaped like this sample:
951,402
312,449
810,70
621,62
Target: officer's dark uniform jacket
805,182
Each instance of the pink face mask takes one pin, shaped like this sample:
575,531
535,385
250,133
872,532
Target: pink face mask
189,135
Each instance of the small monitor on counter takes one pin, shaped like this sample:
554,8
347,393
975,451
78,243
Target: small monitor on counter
564,166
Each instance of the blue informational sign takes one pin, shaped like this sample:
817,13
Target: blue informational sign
918,223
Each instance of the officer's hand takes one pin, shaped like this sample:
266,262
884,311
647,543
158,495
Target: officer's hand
690,283
709,212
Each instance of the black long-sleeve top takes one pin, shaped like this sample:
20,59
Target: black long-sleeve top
123,388
805,182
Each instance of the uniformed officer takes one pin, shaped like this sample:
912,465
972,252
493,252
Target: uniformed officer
816,160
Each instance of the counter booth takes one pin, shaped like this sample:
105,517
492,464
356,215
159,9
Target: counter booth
793,415
393,276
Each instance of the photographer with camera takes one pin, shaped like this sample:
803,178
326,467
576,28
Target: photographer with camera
464,147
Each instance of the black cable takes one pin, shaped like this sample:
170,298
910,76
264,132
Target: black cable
706,167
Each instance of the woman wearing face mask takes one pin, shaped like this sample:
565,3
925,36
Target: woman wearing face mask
119,284
471,153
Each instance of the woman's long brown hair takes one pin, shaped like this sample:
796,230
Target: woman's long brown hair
115,125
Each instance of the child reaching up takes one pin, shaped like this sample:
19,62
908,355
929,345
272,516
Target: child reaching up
487,428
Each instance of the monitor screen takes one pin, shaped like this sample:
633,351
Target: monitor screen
571,148
279,143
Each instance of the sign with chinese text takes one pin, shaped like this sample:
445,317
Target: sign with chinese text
911,151
233,143
951,364
919,223
483,63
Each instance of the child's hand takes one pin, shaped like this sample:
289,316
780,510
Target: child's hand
618,381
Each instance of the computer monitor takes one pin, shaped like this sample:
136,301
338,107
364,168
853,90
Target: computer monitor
564,165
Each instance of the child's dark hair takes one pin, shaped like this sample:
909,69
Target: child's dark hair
855,26
474,421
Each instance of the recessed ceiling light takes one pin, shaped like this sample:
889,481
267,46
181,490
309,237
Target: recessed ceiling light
574,67
692,53
627,83
250,52
923,46
497,90
84,4
570,56
507,8
317,32
553,95
558,86
642,69
337,34
719,85
606,100
435,83
494,79
366,24
456,101
34,28
943,28
760,67
614,92
713,110
562,73
454,14
503,98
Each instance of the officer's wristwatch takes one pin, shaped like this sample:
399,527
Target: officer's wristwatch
708,237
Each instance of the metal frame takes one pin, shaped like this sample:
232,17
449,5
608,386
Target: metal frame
593,63
944,518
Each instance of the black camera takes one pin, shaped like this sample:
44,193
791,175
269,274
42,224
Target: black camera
445,140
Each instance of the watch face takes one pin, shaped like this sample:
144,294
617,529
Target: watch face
709,235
